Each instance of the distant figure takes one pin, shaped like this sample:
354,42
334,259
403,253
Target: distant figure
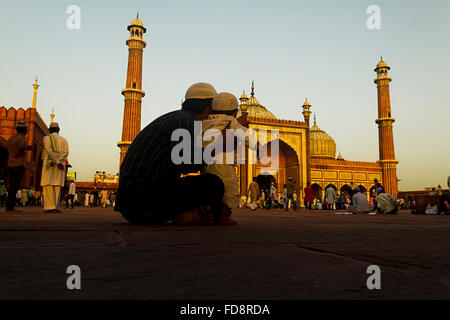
330,194
54,155
360,203
24,197
253,194
72,193
290,188
103,197
445,203
86,199
2,193
385,203
16,145
309,197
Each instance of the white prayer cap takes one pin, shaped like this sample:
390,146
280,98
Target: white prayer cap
225,101
200,90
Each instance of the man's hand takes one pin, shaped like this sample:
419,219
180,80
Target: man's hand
243,119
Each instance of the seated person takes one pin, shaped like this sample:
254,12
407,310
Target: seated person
360,203
385,202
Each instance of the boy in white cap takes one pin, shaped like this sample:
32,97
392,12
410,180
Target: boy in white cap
224,110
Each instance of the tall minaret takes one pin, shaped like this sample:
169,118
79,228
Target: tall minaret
307,115
133,91
35,89
385,135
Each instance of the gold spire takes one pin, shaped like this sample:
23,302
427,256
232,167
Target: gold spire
253,88
52,115
35,88
315,122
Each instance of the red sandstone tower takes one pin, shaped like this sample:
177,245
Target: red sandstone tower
385,135
133,90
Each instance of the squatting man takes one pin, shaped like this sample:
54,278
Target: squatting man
149,171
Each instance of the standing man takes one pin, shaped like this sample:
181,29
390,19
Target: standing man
308,196
54,155
290,186
103,197
331,198
253,194
17,145
72,193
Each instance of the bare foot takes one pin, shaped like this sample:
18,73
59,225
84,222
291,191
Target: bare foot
201,215
224,219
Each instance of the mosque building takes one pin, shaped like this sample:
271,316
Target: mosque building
37,129
306,153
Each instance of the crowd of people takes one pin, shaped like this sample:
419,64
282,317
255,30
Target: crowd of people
354,201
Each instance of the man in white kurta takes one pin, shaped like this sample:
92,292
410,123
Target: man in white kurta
54,156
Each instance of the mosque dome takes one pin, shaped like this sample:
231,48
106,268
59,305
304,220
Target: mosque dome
137,23
255,109
382,64
321,144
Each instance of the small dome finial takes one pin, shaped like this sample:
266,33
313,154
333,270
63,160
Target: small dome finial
253,88
52,115
315,122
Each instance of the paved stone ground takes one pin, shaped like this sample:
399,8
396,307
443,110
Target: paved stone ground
269,255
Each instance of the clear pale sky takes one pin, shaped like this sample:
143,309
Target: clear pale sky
319,49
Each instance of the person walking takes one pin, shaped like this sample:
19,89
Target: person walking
54,155
72,193
309,197
16,145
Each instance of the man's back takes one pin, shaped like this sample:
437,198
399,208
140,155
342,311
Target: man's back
360,202
149,157
290,188
16,154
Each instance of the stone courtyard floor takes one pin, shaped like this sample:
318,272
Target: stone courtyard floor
269,255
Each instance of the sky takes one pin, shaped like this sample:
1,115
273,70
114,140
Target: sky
321,49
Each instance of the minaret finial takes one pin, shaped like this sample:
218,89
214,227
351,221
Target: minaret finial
381,57
36,79
253,88
137,15
315,119
52,115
